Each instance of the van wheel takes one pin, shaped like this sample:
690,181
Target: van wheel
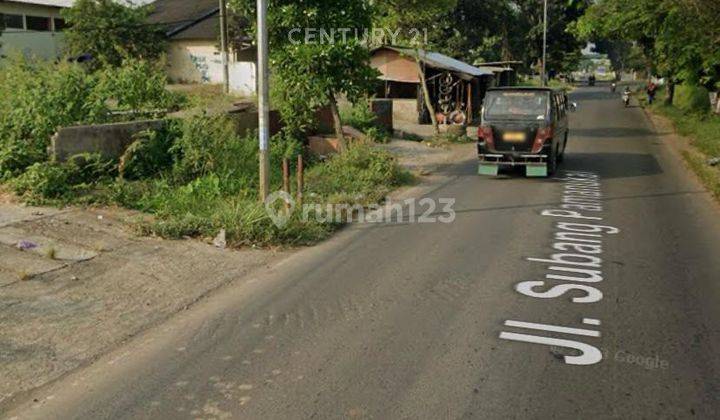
552,163
561,156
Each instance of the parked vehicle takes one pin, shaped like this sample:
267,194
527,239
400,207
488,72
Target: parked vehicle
523,127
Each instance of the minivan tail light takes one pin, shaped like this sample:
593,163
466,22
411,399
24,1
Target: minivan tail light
485,133
543,135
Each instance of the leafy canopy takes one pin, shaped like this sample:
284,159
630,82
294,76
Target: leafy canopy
309,74
110,31
680,39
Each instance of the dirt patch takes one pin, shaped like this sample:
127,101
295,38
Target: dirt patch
58,312
422,160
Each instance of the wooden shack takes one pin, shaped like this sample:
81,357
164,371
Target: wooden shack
456,88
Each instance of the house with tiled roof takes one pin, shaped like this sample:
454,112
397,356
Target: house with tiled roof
193,32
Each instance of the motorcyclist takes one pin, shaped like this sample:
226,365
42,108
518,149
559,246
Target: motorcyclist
626,95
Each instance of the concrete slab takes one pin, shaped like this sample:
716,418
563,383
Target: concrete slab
19,265
41,245
82,229
13,213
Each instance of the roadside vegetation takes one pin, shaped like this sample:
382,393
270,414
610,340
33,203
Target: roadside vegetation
691,118
194,177
553,83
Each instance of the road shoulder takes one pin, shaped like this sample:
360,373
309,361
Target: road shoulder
695,160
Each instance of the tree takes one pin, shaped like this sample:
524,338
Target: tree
316,54
477,31
679,38
111,31
563,45
2,28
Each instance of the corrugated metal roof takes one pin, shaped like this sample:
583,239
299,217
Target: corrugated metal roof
442,61
53,3
182,15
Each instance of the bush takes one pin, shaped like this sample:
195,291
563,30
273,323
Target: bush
137,86
362,118
211,145
362,172
35,99
43,182
149,155
692,98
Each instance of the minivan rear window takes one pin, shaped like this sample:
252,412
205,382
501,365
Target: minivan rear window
517,104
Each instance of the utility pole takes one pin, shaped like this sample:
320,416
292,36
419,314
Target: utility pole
263,98
544,59
224,45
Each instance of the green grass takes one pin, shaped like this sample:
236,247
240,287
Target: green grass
710,176
208,98
703,130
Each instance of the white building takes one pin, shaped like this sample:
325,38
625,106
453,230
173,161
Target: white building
33,27
193,32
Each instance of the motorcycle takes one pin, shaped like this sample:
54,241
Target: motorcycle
626,98
613,87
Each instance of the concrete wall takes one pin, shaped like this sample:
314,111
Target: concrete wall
248,121
43,44
110,140
405,110
194,62
199,61
383,110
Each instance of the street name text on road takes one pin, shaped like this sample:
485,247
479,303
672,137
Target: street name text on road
579,240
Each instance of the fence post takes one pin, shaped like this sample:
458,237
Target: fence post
300,180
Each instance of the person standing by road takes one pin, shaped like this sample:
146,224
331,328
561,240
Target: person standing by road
651,90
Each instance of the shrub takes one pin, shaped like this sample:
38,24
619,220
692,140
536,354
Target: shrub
692,98
43,182
149,155
211,145
137,86
361,117
362,172
35,99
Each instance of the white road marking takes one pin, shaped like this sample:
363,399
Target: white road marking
553,328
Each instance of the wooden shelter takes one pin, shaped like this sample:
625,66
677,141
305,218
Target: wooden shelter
456,88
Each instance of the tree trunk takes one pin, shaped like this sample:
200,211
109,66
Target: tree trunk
426,93
337,122
670,99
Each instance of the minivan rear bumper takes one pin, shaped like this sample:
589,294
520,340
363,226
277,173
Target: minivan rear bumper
535,164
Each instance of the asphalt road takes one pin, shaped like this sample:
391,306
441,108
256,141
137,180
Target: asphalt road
404,320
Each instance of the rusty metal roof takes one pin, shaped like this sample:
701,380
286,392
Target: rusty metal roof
441,61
